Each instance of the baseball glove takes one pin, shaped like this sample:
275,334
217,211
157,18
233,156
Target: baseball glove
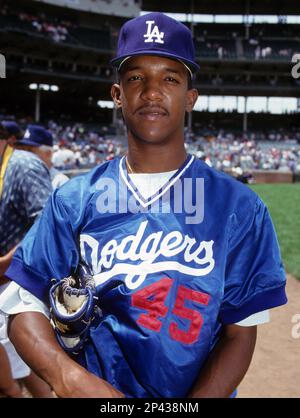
73,308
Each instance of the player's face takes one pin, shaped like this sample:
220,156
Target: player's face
154,96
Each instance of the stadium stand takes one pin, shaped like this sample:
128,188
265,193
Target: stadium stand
220,41
55,29
70,47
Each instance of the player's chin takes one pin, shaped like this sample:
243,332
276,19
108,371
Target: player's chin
153,132
153,136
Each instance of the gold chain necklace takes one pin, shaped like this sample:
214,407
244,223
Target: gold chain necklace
129,169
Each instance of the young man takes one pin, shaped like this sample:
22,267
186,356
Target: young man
179,253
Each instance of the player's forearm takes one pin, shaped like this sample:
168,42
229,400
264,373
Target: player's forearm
35,341
227,365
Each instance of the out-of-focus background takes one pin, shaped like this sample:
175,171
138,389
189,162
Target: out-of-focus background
54,71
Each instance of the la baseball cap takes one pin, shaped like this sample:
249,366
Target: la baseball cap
36,135
156,34
11,127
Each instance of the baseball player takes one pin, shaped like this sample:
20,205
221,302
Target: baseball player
152,262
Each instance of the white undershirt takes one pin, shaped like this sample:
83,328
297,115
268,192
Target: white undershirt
148,184
14,299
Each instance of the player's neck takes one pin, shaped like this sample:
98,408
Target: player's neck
154,159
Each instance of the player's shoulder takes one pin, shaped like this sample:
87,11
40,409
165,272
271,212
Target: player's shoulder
229,195
84,186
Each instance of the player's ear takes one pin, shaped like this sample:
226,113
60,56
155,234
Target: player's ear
191,98
116,95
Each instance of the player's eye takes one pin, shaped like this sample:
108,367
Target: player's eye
172,80
135,78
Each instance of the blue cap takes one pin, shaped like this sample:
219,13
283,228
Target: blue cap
36,135
156,34
11,127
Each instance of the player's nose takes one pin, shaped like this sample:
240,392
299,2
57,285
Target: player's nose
152,90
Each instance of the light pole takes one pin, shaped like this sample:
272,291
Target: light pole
245,116
38,88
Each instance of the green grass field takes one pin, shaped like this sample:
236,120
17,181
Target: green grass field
283,202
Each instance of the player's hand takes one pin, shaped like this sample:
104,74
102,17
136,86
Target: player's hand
79,383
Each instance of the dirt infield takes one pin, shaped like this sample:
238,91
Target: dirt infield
275,368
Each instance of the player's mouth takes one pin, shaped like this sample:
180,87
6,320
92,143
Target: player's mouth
152,113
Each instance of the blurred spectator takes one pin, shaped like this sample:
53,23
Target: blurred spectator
257,52
266,52
63,158
24,188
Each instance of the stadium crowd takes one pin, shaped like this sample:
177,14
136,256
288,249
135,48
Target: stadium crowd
227,151
76,146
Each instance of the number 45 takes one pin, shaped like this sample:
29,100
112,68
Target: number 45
151,298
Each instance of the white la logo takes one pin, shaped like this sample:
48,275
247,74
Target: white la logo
27,134
153,33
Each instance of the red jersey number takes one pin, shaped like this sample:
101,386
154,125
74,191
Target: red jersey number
196,320
151,298
155,306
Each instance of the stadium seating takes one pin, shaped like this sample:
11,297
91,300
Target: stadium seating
212,41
